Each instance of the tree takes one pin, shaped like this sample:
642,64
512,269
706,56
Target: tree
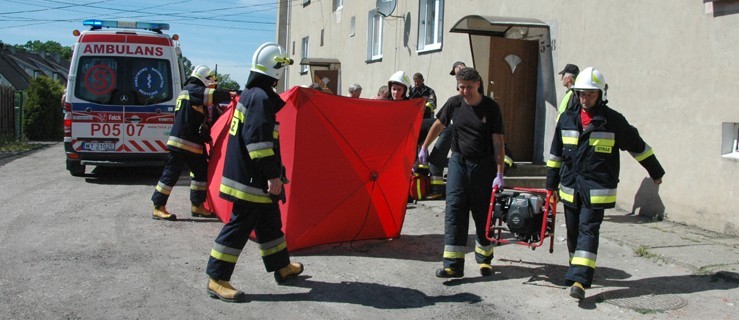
224,79
51,47
225,82
188,65
42,115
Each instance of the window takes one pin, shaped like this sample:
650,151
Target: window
338,5
730,140
721,7
123,80
306,2
374,36
352,26
430,24
304,68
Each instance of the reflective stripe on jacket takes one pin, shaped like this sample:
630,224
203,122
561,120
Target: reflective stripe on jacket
190,114
584,164
253,151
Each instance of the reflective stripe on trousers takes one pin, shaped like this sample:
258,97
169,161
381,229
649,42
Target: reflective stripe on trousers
266,223
469,185
198,165
583,232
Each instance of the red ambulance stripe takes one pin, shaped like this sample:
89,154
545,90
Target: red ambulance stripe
150,40
136,145
149,145
121,148
162,41
103,38
161,145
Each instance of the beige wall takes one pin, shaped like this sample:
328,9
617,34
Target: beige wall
672,71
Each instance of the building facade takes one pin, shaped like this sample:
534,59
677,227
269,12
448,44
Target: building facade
670,65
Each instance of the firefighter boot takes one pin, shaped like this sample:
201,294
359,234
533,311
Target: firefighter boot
292,270
200,211
449,273
220,289
160,213
486,269
577,291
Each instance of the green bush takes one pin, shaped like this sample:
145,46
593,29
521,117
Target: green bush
42,111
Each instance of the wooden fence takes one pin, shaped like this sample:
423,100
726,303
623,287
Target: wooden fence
8,118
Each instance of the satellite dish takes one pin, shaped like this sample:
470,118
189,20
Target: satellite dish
385,7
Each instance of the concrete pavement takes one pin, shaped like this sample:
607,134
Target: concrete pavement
702,251
710,258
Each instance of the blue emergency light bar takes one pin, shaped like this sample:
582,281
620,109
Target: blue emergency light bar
99,24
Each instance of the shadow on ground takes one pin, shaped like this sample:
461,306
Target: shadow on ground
362,293
131,176
552,275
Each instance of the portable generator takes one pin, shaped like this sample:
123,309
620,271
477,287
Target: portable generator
522,212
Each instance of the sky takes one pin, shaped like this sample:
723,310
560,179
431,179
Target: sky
224,32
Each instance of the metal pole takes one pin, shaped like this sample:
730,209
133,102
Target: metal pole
21,135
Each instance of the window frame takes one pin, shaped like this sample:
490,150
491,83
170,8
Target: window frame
375,31
304,53
423,29
730,140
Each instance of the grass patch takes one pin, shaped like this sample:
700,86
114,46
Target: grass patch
643,251
8,144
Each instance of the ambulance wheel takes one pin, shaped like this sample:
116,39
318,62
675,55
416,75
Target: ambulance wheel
75,168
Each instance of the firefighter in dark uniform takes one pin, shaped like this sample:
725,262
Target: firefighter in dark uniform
584,167
253,177
421,90
186,143
477,155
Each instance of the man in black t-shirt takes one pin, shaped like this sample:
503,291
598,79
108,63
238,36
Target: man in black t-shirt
477,154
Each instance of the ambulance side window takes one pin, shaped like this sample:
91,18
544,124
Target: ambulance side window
152,80
97,79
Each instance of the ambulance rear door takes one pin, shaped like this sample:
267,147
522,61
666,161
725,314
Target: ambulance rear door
126,93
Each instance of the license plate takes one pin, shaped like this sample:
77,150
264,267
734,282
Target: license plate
98,146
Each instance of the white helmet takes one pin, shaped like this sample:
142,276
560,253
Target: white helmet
269,60
591,79
204,74
400,78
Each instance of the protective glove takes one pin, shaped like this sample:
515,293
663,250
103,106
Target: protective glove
498,182
423,155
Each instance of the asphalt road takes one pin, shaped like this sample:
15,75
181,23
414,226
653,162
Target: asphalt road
87,248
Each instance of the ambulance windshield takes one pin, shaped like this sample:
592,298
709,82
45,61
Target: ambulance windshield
123,80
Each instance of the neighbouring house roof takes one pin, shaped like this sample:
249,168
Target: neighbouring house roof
14,66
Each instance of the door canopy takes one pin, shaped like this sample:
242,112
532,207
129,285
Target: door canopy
506,27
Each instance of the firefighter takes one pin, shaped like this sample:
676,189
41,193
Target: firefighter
477,155
584,167
186,143
398,86
253,178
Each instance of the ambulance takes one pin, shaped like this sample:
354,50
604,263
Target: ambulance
119,102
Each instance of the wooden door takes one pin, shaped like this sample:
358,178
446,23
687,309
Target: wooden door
513,70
